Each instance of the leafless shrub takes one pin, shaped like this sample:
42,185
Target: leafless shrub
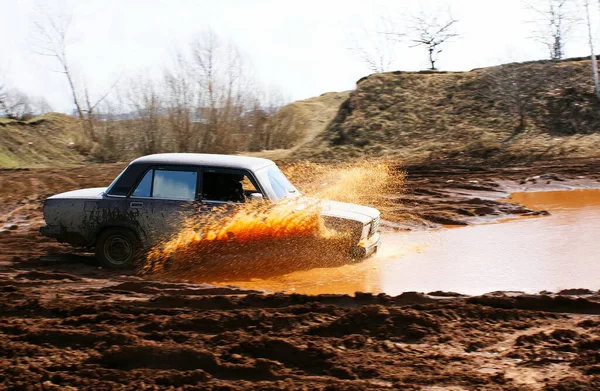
111,146
15,104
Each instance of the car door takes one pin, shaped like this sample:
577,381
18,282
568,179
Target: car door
163,199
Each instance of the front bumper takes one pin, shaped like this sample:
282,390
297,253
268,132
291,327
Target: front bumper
367,247
52,231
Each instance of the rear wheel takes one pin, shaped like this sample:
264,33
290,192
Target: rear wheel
118,248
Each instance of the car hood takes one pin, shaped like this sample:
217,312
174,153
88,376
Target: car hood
95,193
344,210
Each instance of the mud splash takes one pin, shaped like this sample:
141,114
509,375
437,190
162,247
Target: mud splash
255,236
363,183
234,240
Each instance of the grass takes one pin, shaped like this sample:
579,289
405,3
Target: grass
466,116
40,142
4,121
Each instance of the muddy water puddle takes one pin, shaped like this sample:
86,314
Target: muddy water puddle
529,254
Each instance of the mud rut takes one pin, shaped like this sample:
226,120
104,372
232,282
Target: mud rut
65,324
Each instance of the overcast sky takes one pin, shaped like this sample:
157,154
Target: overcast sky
299,46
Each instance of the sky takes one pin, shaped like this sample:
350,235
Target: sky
298,47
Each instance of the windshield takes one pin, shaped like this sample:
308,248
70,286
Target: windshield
276,184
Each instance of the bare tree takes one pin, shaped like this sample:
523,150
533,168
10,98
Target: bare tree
2,93
143,98
376,48
182,98
51,39
272,129
593,57
431,32
554,21
206,53
114,136
224,89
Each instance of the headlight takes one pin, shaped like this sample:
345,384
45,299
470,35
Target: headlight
365,231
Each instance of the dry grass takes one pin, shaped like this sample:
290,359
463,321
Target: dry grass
49,140
306,119
462,117
466,116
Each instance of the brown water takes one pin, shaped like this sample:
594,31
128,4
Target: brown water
528,254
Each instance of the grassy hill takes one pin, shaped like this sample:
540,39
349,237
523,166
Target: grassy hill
45,141
513,113
505,115
306,119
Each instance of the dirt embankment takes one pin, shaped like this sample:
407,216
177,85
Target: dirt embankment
512,113
49,140
66,324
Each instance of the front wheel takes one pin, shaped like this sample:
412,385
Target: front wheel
117,248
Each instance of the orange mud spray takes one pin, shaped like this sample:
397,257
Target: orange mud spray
259,238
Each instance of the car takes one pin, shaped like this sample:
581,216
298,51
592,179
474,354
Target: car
148,201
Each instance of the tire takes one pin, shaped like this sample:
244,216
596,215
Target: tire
118,248
356,255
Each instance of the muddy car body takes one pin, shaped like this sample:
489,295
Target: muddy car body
148,201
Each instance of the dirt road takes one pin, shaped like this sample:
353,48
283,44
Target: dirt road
66,324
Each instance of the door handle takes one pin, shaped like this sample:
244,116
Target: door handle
136,205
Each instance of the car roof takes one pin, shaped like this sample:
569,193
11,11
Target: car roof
204,159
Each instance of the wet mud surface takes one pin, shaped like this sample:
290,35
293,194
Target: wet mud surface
458,195
63,331
67,324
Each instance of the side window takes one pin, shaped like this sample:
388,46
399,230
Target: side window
144,188
226,187
177,185
168,184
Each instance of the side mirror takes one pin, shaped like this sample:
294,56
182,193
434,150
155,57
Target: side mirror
256,197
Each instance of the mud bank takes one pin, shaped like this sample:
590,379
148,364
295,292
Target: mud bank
435,196
61,331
